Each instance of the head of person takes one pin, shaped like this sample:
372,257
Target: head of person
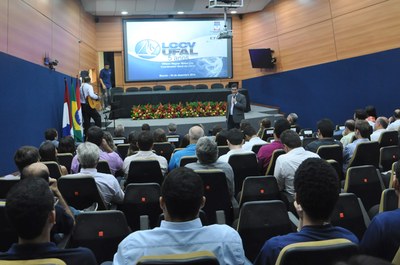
362,129
216,129
25,156
145,141
95,135
371,111
159,136
221,138
290,140
38,170
381,123
185,141
234,89
235,137
265,123
396,114
88,155
281,125
30,208
195,133
119,131
325,128
87,79
317,188
360,114
67,145
182,195
109,139
172,127
244,123
51,134
349,125
292,118
107,65
145,127
249,131
206,150
48,151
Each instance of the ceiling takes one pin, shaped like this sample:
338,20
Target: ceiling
163,7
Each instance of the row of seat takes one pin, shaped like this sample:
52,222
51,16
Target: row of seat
173,87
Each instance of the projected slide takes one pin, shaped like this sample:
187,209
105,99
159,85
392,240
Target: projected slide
175,50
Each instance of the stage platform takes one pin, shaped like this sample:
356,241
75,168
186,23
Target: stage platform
254,116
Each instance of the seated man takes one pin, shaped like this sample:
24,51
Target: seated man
287,164
95,135
194,135
24,156
235,143
382,238
181,200
380,125
251,137
145,144
88,156
348,133
325,135
30,209
207,155
317,190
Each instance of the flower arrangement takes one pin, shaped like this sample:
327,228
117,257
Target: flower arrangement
180,110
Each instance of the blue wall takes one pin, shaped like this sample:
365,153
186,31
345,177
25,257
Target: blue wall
31,101
333,90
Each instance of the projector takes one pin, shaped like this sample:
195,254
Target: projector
226,34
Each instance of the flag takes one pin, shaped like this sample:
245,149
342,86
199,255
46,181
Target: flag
78,103
76,121
66,123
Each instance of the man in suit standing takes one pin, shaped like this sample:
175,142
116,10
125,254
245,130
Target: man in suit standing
236,104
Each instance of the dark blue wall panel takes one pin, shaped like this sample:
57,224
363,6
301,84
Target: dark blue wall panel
31,101
332,90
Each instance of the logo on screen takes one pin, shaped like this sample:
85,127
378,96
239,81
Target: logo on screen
147,49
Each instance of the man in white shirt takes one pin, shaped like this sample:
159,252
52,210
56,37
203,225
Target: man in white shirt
235,142
86,90
145,144
380,126
251,137
395,121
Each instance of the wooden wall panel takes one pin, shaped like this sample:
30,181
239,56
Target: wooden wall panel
87,57
3,25
42,6
66,51
341,7
119,69
109,34
31,38
369,30
308,46
292,15
66,14
88,29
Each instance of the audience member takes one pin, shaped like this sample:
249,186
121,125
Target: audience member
360,114
96,135
215,130
172,130
159,136
48,152
380,125
67,145
325,135
30,209
145,144
181,232
250,135
287,164
265,153
371,114
185,141
348,133
88,156
110,141
221,138
235,143
145,127
195,133
51,134
317,190
292,119
207,155
382,238
264,124
362,133
119,131
132,139
23,157
394,121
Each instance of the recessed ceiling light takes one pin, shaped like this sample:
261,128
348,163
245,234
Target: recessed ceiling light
180,12
233,12
124,12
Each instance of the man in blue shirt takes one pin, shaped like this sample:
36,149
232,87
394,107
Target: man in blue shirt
181,232
195,133
382,238
105,80
317,190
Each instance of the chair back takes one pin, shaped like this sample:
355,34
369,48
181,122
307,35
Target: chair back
388,138
145,88
243,165
260,221
6,185
217,195
65,159
366,183
350,214
43,261
333,151
7,232
141,199
222,150
272,162
101,232
389,200
201,86
396,259
217,85
188,87
306,132
119,140
259,188
159,88
256,148
192,258
387,156
175,87
54,169
327,252
164,149
366,153
267,133
103,167
144,171
122,150
186,160
132,89
80,191
306,140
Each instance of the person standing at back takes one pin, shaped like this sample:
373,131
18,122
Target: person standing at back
105,80
236,105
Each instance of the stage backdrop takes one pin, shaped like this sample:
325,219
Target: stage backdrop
332,90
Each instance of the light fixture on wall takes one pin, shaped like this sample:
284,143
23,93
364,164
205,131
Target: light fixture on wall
49,62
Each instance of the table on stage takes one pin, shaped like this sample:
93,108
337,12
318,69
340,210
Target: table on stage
123,102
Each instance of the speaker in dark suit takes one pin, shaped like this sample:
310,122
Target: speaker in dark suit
236,105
